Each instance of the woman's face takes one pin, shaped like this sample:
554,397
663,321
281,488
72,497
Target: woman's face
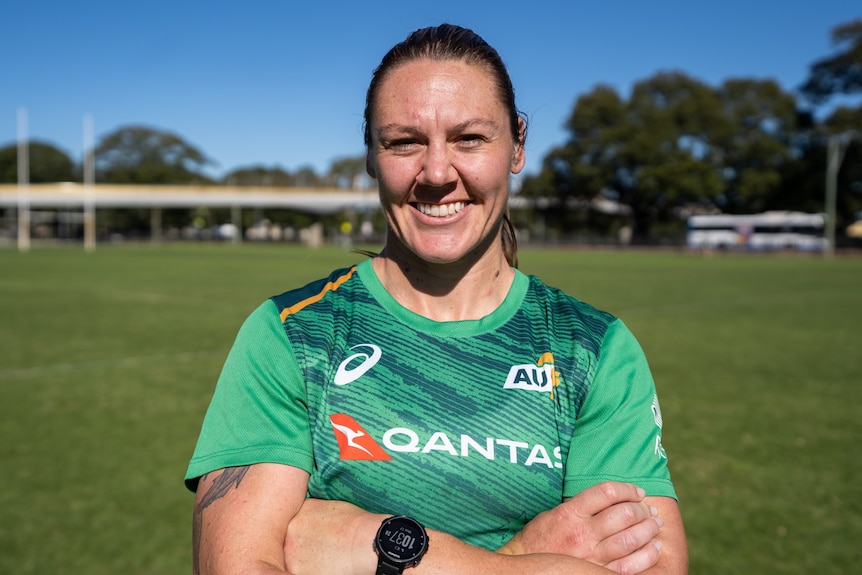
442,152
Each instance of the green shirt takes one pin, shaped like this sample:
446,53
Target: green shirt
473,427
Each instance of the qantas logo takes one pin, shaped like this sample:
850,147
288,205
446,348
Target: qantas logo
539,377
355,444
369,355
353,441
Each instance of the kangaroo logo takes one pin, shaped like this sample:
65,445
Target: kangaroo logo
354,442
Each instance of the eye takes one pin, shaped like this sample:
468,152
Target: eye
471,140
401,145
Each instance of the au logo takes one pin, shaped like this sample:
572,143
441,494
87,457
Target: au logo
542,376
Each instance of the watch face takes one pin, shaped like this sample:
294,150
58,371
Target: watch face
402,540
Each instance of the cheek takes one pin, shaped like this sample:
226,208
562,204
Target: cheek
394,179
390,198
490,176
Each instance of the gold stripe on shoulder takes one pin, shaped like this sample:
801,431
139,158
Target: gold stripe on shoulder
330,286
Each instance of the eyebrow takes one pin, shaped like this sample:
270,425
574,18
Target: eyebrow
462,127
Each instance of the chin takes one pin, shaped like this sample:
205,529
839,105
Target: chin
451,250
438,258
441,255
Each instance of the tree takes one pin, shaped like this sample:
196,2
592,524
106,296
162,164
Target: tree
259,176
678,143
347,172
756,148
306,177
840,73
142,155
848,122
574,173
47,164
672,159
653,153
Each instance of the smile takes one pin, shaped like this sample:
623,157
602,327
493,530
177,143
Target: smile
440,210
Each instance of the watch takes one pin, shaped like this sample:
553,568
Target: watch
400,542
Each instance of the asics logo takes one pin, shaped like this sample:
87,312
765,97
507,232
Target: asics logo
542,376
370,357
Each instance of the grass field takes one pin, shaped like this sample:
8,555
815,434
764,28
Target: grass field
107,362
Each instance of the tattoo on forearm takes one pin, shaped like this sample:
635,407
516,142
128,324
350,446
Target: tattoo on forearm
228,479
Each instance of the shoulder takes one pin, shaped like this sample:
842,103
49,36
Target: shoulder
567,314
557,299
296,300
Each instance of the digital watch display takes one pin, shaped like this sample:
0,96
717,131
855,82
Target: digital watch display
400,543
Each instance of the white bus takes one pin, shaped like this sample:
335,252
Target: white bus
766,231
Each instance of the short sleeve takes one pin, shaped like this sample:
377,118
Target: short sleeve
258,413
618,429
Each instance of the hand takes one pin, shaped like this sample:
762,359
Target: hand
331,537
607,524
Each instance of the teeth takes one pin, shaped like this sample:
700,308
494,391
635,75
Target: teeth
440,210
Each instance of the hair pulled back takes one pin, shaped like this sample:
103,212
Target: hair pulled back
451,42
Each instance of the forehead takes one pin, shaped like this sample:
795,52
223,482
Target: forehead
448,84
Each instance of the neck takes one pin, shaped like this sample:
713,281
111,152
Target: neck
466,289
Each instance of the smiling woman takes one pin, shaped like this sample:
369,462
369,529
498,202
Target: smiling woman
434,393
442,154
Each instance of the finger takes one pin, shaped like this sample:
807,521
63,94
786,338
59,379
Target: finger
629,541
620,517
599,497
637,562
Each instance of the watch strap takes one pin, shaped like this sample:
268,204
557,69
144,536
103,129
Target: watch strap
384,568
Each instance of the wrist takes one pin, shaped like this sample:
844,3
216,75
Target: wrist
364,528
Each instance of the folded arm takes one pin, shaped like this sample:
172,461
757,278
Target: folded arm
257,520
329,537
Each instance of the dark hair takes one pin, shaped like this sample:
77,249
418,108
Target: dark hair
450,42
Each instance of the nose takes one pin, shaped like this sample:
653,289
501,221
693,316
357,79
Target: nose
436,165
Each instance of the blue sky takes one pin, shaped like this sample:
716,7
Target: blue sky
282,83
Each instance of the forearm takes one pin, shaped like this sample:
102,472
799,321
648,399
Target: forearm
449,556
329,537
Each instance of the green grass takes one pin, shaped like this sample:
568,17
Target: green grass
107,362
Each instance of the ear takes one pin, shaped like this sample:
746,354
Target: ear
518,158
370,168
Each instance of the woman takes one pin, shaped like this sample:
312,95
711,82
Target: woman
435,381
